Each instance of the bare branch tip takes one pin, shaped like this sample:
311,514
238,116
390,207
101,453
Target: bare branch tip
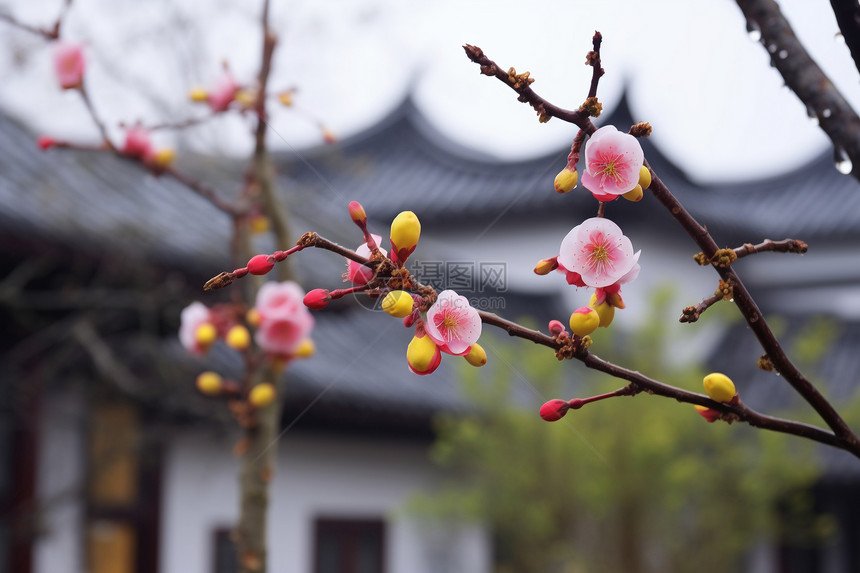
220,281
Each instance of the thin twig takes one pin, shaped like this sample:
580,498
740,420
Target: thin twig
51,33
95,117
784,246
182,124
206,192
520,84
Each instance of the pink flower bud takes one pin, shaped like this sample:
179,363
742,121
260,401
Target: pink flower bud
317,299
260,265
556,327
45,142
356,211
69,65
554,410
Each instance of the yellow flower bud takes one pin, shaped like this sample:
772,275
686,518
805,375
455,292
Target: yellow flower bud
719,387
259,224
286,98
398,303
206,334
246,98
477,355
546,266
198,95
253,317
634,194
420,353
405,231
566,180
262,395
306,349
238,338
209,383
584,321
605,311
644,177
163,158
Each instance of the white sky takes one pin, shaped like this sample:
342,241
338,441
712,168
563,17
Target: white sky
718,110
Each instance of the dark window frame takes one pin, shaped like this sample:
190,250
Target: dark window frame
348,529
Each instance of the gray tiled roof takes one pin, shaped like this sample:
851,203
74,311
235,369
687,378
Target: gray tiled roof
96,200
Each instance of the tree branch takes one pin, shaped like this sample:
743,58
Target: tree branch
805,78
753,315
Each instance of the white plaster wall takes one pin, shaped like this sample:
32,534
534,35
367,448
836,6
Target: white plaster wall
59,479
316,476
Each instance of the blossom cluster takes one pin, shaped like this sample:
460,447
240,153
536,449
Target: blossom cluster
226,93
596,253
281,324
442,323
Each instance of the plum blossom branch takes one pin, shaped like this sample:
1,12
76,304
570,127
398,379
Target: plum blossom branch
753,316
805,78
722,258
575,347
741,411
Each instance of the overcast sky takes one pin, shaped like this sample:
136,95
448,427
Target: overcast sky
689,67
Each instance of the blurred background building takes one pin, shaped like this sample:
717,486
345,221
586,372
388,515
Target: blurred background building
112,463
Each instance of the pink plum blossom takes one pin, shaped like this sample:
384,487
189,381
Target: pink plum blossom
192,318
284,319
358,273
598,252
452,323
219,99
69,65
612,163
137,144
